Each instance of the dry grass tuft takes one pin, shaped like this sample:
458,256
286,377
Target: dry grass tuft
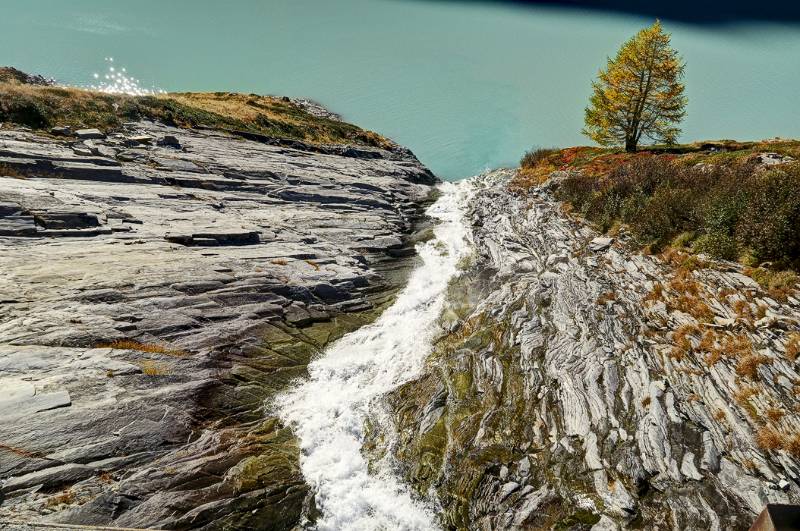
65,498
743,310
656,294
744,393
748,366
775,414
682,339
792,445
8,171
779,284
768,438
126,344
20,451
152,368
608,296
792,345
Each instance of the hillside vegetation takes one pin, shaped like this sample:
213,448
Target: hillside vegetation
728,200
26,100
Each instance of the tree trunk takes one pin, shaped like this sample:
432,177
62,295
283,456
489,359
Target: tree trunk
630,144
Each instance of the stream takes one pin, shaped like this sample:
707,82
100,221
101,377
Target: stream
328,410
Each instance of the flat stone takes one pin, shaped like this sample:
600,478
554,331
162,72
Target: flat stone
17,226
140,139
23,405
600,244
85,134
49,477
66,220
61,131
9,209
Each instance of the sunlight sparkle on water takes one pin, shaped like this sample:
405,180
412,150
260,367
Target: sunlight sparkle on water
117,81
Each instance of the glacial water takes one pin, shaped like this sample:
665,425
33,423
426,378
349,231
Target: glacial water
466,85
328,411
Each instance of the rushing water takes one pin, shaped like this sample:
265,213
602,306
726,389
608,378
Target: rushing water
466,85
328,410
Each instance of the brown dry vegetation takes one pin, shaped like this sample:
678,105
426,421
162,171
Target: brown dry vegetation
8,171
769,438
711,198
152,368
792,345
748,365
743,394
608,296
67,497
41,107
775,414
127,344
682,341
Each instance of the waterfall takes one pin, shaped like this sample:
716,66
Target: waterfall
328,410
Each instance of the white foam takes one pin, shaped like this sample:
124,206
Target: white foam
328,410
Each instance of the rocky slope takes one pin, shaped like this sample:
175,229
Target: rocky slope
159,285
583,385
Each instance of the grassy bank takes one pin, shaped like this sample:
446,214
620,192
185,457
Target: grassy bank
23,101
717,198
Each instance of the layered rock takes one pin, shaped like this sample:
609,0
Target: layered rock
584,385
159,286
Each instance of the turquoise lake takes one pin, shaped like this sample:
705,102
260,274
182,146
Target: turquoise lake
467,86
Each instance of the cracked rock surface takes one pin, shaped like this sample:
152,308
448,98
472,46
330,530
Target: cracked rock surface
583,385
158,287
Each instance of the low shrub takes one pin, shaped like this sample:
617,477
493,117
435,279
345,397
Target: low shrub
726,211
534,156
778,283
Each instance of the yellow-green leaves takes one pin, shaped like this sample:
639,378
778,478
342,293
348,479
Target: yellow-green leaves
638,94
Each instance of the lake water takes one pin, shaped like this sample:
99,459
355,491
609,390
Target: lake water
467,86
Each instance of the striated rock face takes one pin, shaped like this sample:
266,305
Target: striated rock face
586,386
158,287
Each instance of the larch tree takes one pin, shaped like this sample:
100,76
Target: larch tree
639,93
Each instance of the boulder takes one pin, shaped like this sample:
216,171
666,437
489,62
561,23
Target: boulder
169,141
600,244
61,131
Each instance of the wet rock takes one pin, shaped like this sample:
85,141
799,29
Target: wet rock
148,360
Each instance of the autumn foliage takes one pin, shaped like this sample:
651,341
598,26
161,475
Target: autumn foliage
639,93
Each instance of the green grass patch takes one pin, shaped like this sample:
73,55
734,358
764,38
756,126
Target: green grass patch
42,107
